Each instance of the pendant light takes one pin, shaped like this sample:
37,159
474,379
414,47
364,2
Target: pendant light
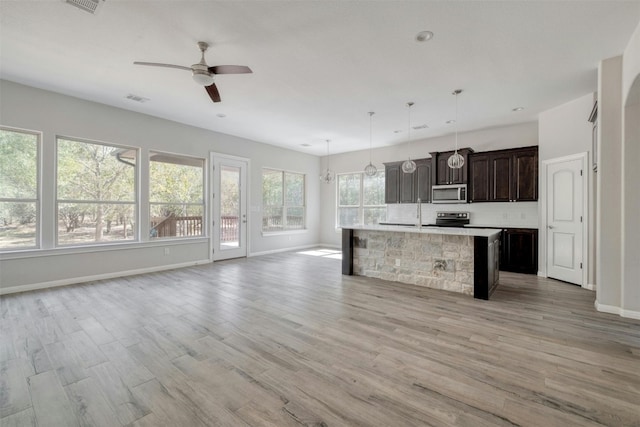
370,169
456,161
409,166
327,176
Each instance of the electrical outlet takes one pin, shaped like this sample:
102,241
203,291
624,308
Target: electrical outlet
166,251
397,263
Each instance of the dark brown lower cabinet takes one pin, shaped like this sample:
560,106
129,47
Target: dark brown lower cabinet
519,250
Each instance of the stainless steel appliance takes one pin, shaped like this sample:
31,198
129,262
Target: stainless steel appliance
454,193
452,219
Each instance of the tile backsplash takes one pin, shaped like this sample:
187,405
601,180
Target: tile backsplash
520,214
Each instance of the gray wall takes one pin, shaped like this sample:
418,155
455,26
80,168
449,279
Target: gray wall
54,114
564,131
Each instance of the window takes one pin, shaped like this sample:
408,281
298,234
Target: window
96,192
282,200
361,199
18,189
176,196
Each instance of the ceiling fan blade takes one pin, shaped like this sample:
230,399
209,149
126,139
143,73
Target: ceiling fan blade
212,90
155,64
230,69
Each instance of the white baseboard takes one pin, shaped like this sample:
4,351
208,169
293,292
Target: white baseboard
632,314
276,251
541,274
76,280
590,286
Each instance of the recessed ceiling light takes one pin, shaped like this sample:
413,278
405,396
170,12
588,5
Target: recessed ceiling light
518,109
222,116
424,36
305,145
449,122
424,126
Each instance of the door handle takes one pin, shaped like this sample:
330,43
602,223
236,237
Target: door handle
550,227
244,221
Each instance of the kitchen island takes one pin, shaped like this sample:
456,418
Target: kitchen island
463,260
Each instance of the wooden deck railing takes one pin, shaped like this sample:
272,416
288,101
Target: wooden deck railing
176,226
229,228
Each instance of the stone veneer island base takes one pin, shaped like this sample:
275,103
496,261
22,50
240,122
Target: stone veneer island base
463,260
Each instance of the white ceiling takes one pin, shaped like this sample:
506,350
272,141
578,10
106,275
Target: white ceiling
320,66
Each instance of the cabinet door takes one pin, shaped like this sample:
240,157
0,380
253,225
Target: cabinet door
443,171
407,187
392,183
479,178
520,251
423,180
501,177
525,175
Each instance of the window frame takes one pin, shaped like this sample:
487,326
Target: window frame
135,203
284,205
360,206
204,221
38,192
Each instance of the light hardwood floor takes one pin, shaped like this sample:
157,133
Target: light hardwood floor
286,340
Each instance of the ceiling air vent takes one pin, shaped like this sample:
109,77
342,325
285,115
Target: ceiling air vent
90,6
137,98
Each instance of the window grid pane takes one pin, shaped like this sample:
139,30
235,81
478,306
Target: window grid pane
360,199
283,197
176,193
82,223
19,176
96,190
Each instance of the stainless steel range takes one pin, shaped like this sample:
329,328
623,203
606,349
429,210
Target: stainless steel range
451,219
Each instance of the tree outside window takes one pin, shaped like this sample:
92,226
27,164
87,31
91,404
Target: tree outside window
360,199
18,189
283,200
96,192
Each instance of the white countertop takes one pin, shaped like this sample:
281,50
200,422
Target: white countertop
452,231
531,227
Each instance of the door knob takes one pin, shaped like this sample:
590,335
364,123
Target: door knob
551,226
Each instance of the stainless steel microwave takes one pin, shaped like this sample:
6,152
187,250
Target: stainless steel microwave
454,193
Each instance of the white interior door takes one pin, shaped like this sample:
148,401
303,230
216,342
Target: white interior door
564,221
229,201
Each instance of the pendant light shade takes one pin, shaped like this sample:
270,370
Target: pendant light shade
409,166
456,161
327,176
370,169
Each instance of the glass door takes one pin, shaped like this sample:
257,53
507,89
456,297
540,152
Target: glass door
229,207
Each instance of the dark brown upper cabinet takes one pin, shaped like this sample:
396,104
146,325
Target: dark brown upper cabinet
479,177
403,187
504,175
423,181
392,173
443,174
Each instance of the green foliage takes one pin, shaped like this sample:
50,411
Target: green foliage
175,184
92,172
272,188
18,165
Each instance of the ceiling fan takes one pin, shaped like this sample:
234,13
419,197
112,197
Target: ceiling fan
203,74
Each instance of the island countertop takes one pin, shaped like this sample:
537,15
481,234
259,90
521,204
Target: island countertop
451,231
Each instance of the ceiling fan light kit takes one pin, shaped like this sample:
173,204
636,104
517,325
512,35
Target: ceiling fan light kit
203,74
456,161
